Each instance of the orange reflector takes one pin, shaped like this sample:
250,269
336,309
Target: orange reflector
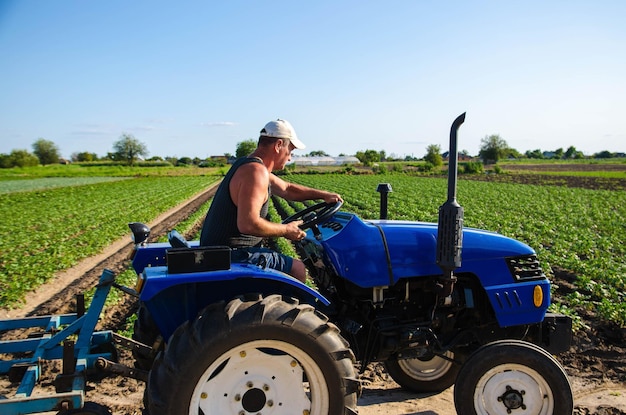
139,283
538,296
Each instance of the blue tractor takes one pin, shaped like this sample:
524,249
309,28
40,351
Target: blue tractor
233,338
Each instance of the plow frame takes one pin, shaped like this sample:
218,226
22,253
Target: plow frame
70,338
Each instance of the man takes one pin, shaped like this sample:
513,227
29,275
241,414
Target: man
237,214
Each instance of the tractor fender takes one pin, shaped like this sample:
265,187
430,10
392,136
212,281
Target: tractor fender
173,299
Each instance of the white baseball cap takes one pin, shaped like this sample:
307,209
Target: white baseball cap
282,129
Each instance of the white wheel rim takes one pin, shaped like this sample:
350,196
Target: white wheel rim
262,376
425,370
506,384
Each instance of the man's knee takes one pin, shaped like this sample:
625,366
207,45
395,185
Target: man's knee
298,270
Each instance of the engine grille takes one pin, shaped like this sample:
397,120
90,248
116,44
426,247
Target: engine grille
524,268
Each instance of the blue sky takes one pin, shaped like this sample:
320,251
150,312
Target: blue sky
194,78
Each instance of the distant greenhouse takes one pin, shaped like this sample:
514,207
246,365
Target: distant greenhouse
323,161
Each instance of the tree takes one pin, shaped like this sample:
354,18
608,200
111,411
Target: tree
493,148
184,161
572,153
603,155
84,156
368,157
513,153
171,160
535,154
112,156
558,153
19,158
46,151
128,148
318,153
433,155
244,148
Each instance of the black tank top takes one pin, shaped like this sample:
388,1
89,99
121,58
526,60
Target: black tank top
220,224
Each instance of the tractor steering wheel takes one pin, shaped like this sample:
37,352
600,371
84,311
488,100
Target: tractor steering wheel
315,214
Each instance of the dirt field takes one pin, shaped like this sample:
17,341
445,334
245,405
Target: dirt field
596,363
567,167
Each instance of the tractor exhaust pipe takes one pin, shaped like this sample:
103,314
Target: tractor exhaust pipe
384,189
450,227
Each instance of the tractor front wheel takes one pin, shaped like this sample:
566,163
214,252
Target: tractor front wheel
255,355
511,377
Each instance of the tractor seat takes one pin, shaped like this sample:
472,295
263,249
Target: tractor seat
177,240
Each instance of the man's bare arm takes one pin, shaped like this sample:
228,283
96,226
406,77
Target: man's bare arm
248,190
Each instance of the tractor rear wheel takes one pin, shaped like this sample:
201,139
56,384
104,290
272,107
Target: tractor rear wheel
255,355
145,331
434,374
511,376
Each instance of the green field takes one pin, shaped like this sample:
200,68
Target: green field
576,232
44,183
579,232
105,170
46,231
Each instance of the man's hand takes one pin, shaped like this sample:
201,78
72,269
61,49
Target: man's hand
293,232
332,198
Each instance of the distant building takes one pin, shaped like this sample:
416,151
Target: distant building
323,161
461,157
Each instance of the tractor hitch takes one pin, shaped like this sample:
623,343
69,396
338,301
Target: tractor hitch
109,366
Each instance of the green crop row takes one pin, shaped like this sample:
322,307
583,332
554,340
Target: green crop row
44,232
579,232
45,183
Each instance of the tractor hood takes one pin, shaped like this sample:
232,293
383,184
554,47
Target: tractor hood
380,252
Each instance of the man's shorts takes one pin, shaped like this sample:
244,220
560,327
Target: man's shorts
263,257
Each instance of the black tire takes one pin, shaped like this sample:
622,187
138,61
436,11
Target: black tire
145,331
510,377
424,375
89,408
255,355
